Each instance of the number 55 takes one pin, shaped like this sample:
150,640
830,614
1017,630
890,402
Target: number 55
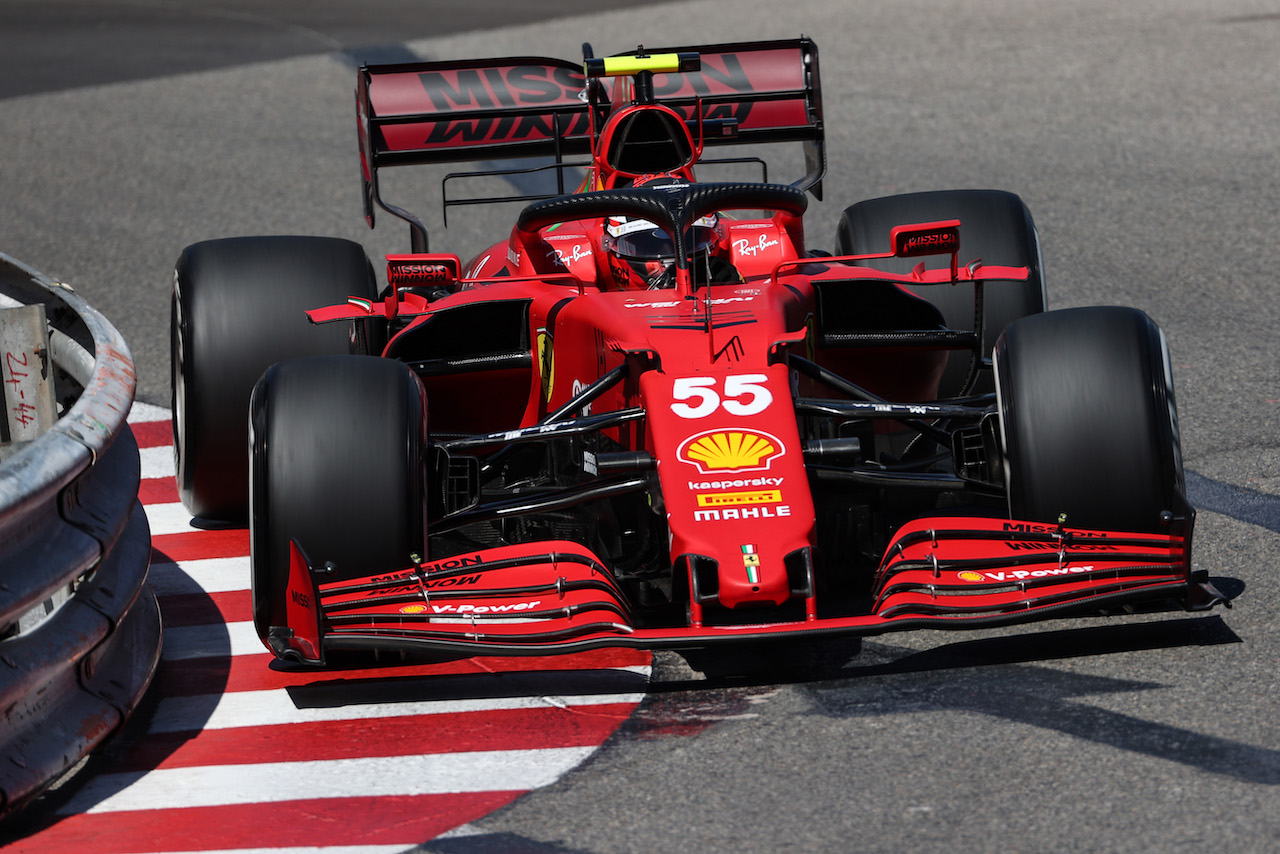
743,395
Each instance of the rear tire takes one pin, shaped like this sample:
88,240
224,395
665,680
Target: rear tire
994,226
237,307
338,444
1088,419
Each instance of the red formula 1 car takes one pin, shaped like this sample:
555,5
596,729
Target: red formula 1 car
654,415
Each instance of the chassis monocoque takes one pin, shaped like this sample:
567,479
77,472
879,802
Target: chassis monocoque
889,437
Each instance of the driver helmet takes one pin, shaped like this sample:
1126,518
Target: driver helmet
641,256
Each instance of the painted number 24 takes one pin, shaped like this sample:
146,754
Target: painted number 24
697,397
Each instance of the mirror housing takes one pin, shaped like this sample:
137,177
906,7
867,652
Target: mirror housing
926,238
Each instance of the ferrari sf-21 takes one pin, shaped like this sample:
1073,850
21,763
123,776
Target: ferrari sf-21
654,414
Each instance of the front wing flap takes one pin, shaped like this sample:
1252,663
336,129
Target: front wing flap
973,568
533,594
557,596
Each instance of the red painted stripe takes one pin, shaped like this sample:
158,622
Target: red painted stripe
193,678
194,545
405,820
158,490
153,434
203,676
511,729
200,609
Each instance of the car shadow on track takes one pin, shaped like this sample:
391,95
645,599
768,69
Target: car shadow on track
1245,505
395,688
1005,677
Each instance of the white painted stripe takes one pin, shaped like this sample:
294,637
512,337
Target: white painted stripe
223,785
169,519
217,640
277,708
157,461
147,412
208,575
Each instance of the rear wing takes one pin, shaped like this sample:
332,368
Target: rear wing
518,107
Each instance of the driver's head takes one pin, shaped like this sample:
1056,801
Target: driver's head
641,256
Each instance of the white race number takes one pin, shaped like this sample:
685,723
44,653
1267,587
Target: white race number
697,397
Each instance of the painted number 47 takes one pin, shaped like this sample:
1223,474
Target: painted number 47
698,397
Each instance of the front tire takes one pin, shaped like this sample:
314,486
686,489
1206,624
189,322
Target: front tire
237,307
336,463
1088,420
994,226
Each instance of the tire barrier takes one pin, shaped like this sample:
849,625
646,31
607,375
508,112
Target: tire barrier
79,628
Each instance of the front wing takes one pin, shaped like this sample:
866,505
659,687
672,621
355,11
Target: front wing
558,597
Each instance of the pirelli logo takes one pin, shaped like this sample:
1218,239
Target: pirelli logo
738,499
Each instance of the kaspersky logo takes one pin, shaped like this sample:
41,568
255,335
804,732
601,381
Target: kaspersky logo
721,451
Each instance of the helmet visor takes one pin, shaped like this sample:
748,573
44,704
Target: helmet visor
639,239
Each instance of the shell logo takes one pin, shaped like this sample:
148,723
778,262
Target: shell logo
970,575
413,609
730,450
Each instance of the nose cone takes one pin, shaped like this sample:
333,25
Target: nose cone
734,485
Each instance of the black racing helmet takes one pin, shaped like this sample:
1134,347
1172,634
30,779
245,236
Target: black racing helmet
641,256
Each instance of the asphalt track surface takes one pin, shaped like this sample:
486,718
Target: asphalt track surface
1143,138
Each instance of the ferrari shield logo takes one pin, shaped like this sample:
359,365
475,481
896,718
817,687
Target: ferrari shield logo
546,363
751,562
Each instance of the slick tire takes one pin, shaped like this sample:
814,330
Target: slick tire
1088,420
237,307
337,463
995,226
